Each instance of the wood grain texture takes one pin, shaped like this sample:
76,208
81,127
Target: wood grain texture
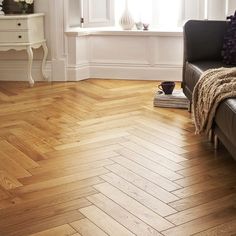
96,158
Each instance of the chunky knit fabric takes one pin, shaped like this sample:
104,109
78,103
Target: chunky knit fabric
214,86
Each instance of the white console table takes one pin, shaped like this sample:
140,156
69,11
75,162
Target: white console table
24,32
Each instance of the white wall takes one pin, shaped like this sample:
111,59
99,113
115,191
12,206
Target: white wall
93,55
216,9
13,65
231,7
125,55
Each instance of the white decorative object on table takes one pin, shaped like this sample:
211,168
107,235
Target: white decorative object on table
1,11
24,32
126,20
139,25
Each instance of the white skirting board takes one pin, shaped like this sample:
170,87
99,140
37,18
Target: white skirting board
17,71
124,72
137,73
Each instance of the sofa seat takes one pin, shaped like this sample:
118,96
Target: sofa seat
203,42
225,119
194,70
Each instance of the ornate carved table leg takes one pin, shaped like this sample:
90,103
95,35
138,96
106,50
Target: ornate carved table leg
30,63
45,50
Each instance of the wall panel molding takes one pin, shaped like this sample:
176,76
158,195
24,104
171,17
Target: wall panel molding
136,57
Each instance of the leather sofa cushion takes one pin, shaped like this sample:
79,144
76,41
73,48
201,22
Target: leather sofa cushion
194,70
226,119
204,40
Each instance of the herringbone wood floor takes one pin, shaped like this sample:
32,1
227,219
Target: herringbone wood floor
95,158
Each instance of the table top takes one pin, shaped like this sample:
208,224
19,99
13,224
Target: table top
20,16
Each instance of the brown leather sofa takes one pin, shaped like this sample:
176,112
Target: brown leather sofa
203,42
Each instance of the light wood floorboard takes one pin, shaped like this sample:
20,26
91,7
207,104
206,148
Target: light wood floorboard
95,158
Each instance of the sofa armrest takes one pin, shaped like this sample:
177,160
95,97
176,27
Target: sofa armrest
203,40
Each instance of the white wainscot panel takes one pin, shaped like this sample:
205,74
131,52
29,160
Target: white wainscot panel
78,51
78,58
168,51
82,53
119,50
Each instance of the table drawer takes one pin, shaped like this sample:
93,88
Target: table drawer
14,37
13,24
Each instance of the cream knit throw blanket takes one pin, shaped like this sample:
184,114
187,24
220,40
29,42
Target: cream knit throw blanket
214,86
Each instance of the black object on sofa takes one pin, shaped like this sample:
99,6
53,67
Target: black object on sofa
203,41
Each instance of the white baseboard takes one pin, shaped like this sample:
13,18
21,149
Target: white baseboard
78,73
160,73
17,70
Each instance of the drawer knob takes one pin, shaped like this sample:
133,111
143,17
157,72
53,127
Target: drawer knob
19,36
19,24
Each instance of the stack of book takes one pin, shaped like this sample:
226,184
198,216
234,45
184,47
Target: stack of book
176,100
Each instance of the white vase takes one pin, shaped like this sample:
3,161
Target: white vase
1,10
126,20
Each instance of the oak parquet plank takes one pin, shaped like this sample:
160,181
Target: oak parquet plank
105,222
9,202
156,141
17,155
123,122
87,228
157,132
146,152
37,214
106,118
40,175
61,180
68,189
149,164
227,229
134,207
203,197
27,228
3,194
202,210
157,149
7,181
157,126
12,167
70,160
145,173
203,223
122,216
75,152
62,230
45,201
102,143
37,144
216,173
144,198
143,183
95,138
204,186
204,167
24,147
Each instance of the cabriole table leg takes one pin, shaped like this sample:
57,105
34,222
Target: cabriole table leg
45,50
30,63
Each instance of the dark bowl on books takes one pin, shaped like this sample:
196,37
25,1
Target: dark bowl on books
167,87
